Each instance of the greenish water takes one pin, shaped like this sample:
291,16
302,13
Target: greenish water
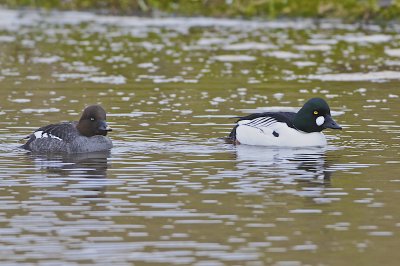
355,10
170,191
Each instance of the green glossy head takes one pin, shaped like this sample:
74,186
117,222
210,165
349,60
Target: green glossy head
315,116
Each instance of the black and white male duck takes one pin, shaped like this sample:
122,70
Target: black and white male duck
286,129
89,134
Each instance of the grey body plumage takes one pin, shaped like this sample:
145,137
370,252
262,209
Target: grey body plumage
87,135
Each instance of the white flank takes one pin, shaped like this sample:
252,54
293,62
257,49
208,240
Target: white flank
320,120
287,136
40,134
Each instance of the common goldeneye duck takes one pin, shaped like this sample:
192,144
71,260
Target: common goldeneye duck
89,134
286,129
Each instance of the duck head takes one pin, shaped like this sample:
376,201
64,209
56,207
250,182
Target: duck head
315,116
93,122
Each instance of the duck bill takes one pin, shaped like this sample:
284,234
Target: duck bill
330,123
103,127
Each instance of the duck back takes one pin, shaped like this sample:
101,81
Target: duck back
65,138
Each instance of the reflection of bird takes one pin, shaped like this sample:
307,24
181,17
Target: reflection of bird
286,129
82,165
85,173
87,135
294,163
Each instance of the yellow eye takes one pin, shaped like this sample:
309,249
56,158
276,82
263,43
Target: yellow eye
315,112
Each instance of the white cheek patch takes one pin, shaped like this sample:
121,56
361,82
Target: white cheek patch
40,134
320,120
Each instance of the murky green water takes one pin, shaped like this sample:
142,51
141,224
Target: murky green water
170,191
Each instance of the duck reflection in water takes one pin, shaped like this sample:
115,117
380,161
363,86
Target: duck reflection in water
299,164
89,169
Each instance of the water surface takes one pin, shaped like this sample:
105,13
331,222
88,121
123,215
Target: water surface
171,191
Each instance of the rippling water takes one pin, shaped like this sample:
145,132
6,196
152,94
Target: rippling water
171,191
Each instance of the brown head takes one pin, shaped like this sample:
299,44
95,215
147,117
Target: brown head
93,122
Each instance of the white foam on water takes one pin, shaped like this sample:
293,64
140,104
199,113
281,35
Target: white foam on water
20,100
7,38
211,41
392,62
358,38
371,76
46,60
249,46
320,47
393,52
107,79
234,58
283,55
14,19
304,63
146,65
65,76
42,110
305,211
322,41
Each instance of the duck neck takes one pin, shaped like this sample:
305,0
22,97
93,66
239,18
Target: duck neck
84,128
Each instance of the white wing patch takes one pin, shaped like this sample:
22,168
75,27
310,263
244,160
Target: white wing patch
41,134
259,122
